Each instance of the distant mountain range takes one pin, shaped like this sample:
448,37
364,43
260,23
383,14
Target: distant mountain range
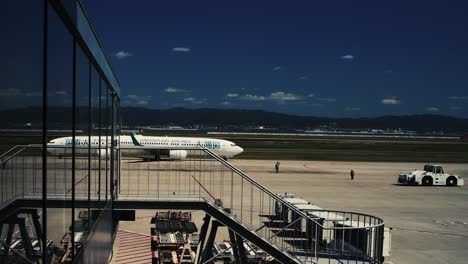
238,117
134,116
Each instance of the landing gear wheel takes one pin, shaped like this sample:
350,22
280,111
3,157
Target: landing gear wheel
451,181
427,181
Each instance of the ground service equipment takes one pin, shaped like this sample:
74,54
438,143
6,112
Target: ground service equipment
431,175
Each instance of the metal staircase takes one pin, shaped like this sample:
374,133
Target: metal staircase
252,210
207,182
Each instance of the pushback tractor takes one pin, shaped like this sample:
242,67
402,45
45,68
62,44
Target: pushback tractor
430,175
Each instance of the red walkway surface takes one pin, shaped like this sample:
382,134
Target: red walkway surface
134,248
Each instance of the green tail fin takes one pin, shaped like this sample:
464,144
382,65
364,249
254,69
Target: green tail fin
134,140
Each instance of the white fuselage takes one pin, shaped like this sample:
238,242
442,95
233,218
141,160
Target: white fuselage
147,144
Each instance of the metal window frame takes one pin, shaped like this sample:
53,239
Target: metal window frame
78,42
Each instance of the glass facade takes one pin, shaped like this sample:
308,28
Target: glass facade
59,100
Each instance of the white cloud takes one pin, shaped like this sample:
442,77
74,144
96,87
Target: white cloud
279,97
226,103
252,97
174,90
347,57
390,101
277,68
352,108
432,109
181,49
122,54
142,102
458,97
194,100
232,95
311,95
133,99
303,77
282,96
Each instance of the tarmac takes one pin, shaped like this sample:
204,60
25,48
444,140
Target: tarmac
429,224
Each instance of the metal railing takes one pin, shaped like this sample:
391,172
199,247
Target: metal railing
21,174
309,234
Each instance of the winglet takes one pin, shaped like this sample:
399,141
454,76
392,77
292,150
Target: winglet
134,140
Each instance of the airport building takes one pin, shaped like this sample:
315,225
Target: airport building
63,203
56,72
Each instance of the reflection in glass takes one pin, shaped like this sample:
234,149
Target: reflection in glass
95,131
60,124
21,98
82,160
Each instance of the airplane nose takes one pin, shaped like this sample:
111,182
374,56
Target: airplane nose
240,150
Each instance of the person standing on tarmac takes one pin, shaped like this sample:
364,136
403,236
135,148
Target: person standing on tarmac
351,173
277,166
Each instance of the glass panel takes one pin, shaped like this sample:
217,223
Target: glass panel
21,72
108,140
95,130
117,133
114,144
88,35
59,162
82,125
104,149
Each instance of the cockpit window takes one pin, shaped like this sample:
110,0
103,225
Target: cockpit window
52,142
233,145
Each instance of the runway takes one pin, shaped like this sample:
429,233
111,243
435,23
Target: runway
260,151
354,141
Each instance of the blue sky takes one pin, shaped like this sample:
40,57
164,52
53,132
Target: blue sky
327,58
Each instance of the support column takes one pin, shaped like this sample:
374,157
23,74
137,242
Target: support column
208,252
240,246
28,249
203,231
234,245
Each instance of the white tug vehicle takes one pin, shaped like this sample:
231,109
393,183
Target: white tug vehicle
431,175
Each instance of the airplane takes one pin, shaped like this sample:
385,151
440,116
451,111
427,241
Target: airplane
173,147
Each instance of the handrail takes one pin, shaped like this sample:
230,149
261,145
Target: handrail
14,154
284,228
242,174
8,151
267,191
334,220
278,198
256,184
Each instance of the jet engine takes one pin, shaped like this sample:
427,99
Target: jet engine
178,154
